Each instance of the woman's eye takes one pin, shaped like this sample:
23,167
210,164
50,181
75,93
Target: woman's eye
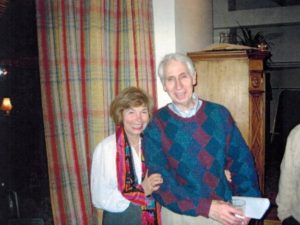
129,111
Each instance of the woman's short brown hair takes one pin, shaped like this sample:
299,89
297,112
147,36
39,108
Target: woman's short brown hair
129,97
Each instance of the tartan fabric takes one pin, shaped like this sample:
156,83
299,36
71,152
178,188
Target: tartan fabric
192,154
88,51
128,184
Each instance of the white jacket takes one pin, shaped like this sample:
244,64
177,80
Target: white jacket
288,198
104,186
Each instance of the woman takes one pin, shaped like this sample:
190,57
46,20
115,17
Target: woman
120,184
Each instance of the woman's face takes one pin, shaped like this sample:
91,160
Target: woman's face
135,120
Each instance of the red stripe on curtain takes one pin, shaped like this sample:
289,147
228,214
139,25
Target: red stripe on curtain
134,44
83,85
153,76
152,59
70,115
47,76
117,63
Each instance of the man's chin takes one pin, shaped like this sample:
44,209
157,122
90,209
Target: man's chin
180,102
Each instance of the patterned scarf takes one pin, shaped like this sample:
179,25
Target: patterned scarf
128,183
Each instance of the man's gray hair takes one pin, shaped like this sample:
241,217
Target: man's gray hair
177,57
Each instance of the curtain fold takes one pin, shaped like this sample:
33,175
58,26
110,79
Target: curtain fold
89,50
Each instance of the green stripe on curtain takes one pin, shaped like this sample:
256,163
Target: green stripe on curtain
89,50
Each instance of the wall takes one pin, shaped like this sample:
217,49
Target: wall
281,27
180,26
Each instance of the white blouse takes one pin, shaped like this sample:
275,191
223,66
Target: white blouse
104,186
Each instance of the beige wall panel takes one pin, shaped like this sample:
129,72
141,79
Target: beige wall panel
226,82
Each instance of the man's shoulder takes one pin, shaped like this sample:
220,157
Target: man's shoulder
214,106
161,111
294,138
295,131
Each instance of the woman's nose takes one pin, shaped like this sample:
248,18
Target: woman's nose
139,117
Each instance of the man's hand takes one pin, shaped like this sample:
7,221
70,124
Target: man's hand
226,214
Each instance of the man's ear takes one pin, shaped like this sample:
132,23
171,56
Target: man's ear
164,87
195,79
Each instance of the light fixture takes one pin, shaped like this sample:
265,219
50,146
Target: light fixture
6,105
5,102
3,71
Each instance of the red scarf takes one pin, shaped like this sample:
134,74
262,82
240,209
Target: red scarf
128,183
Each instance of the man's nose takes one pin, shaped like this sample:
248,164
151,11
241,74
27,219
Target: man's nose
178,84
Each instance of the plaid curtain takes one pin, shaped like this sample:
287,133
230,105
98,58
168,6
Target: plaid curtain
89,50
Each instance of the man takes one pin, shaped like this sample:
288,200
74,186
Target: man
191,143
289,189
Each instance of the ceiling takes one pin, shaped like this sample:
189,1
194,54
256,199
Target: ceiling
257,4
286,2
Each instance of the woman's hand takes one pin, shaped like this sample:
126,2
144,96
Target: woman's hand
226,214
151,183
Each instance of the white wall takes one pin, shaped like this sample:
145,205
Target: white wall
180,26
193,25
164,37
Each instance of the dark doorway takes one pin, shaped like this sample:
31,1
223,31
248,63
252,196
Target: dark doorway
24,189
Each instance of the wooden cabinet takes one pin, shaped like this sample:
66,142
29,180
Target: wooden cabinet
235,78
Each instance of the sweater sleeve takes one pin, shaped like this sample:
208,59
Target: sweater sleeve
178,198
241,165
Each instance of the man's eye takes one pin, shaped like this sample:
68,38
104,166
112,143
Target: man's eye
184,75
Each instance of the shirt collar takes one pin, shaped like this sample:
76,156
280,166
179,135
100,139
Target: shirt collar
187,113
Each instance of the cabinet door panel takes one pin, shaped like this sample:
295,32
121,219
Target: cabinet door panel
226,82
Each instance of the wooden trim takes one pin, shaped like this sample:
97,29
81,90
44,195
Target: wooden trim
257,118
232,54
272,222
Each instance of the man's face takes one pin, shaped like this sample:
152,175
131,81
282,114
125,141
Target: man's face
179,84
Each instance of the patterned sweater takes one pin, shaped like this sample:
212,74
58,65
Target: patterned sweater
192,154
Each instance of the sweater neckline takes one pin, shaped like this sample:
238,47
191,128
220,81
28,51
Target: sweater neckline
198,113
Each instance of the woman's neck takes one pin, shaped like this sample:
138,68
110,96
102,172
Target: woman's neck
135,143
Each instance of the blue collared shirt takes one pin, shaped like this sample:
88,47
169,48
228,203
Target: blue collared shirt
190,112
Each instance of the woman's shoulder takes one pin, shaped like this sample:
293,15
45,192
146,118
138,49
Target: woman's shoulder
107,143
109,139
